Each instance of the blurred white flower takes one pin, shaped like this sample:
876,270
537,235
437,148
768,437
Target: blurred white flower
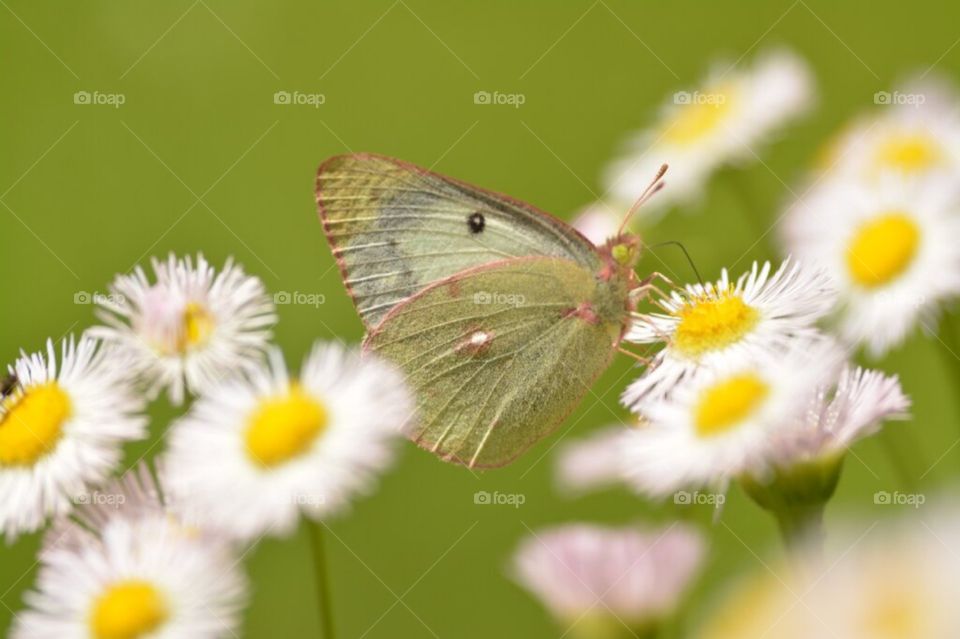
255,453
886,581
62,430
722,323
592,577
840,415
726,121
915,134
762,607
721,422
190,328
599,221
890,248
127,568
593,462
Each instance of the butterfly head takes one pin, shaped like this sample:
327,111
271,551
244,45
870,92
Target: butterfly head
625,251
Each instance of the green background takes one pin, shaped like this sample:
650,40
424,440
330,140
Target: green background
199,158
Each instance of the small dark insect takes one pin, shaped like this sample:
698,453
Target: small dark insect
476,222
8,384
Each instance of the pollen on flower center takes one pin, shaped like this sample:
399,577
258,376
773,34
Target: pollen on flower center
198,324
726,403
711,323
128,610
911,153
284,427
699,116
882,249
32,424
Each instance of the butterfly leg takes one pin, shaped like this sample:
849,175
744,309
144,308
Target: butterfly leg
640,358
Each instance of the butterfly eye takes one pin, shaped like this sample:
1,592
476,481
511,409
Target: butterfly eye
476,222
621,253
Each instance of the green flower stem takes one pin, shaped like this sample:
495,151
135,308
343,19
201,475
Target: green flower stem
797,497
322,582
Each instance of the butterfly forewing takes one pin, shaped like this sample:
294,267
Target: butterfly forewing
395,228
498,355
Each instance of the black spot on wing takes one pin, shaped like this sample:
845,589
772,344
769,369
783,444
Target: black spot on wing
476,222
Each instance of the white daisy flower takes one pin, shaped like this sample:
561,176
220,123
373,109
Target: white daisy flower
763,606
593,578
890,248
896,582
127,568
724,122
593,462
916,135
719,323
720,423
62,429
256,452
189,328
840,415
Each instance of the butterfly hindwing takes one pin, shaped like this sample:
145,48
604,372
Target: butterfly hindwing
395,228
498,355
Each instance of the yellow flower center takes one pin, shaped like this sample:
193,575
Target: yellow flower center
882,249
909,153
198,324
699,116
32,424
712,322
727,403
897,614
284,427
128,610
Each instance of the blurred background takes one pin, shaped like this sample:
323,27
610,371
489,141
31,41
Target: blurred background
181,142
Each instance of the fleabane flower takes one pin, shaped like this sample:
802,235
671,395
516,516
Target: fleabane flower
191,326
62,429
608,582
705,325
256,452
723,122
916,134
760,607
126,567
721,423
889,248
839,415
593,462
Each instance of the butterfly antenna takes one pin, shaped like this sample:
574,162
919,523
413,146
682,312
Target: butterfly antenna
685,253
655,185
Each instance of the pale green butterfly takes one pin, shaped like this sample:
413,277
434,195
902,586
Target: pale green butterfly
500,315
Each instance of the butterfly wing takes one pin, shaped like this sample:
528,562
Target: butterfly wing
498,355
394,228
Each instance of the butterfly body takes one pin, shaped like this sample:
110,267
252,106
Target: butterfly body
500,316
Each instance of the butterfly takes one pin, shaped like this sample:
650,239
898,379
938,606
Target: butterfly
500,315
